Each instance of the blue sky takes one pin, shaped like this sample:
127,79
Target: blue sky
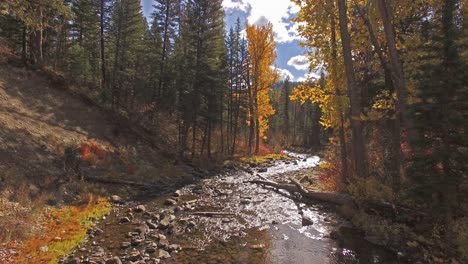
291,60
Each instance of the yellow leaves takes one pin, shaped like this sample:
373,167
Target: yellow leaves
66,228
261,47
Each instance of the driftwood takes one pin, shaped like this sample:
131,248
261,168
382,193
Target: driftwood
123,182
388,210
210,214
296,187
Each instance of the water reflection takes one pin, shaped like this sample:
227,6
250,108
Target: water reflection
267,226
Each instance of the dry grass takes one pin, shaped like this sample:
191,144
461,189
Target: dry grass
64,230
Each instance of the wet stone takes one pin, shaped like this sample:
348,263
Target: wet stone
150,249
170,202
136,241
174,247
116,199
134,256
142,230
124,245
163,243
163,254
73,261
245,201
306,221
125,220
140,208
177,193
114,260
98,231
257,247
151,225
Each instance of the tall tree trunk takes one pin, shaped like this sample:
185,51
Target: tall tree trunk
164,51
340,110
24,50
359,148
103,57
395,128
398,76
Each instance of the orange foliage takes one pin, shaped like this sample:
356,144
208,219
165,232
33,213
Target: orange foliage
264,149
330,177
91,149
64,230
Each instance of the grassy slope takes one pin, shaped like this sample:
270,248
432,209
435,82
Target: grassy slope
39,121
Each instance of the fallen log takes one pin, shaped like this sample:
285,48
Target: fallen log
336,198
296,187
210,214
395,212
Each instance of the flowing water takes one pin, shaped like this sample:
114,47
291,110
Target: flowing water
265,225
258,224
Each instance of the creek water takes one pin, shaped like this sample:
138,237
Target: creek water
258,225
265,225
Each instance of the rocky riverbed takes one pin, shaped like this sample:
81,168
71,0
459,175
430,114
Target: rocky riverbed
226,219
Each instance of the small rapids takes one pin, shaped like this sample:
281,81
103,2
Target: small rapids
265,225
228,219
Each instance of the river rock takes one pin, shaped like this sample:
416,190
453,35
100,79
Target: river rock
116,199
174,247
124,245
177,193
44,249
136,241
151,225
257,247
73,261
98,231
191,224
163,254
98,252
245,201
170,202
306,221
150,249
166,221
134,256
140,208
142,230
125,220
163,243
114,260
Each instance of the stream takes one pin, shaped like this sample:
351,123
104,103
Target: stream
257,225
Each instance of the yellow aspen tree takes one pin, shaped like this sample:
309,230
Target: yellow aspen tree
262,51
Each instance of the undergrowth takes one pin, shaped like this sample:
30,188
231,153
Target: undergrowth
65,229
257,159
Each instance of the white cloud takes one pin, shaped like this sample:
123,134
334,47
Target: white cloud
299,62
277,12
308,76
236,4
284,74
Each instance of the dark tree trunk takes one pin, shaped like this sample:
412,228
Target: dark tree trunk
103,57
24,50
398,76
359,148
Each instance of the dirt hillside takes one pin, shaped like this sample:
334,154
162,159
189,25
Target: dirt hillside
51,138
